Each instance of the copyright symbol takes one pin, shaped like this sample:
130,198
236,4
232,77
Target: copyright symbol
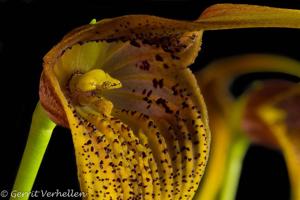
4,193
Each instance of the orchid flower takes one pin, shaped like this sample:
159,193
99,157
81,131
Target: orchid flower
138,120
266,114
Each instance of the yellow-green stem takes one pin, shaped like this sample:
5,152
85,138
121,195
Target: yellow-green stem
37,142
236,156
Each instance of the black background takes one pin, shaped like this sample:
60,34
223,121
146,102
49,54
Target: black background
29,28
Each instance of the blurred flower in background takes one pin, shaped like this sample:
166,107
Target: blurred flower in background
266,114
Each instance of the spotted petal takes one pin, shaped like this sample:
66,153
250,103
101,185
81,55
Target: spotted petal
141,131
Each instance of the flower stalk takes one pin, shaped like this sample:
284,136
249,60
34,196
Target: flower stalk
38,139
236,156
237,151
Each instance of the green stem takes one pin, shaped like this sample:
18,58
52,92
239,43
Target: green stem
37,142
234,166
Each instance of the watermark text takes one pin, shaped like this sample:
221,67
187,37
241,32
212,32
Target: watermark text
69,193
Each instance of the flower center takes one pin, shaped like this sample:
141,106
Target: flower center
86,90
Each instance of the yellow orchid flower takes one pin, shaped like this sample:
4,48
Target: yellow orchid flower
137,118
138,121
257,116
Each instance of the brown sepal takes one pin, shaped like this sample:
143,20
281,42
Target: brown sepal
51,102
